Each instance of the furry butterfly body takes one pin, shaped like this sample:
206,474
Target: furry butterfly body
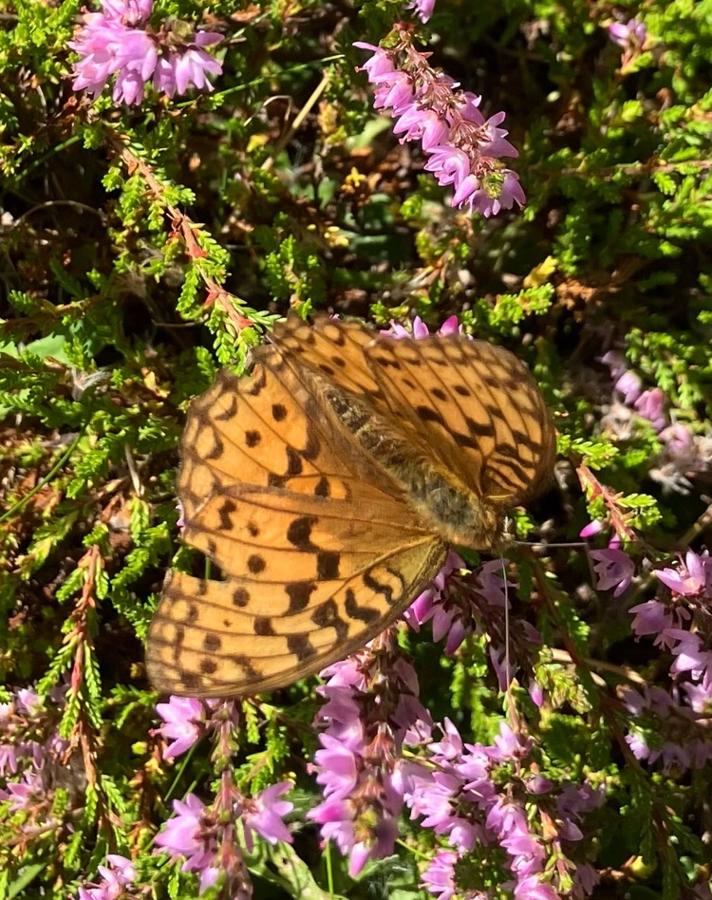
327,486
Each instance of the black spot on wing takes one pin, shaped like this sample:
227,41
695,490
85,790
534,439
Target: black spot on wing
327,565
301,647
263,625
211,642
256,564
354,611
299,593
299,533
327,616
427,414
225,513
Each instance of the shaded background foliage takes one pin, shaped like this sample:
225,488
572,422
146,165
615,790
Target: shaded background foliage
141,248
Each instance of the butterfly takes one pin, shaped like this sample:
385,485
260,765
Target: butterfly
326,487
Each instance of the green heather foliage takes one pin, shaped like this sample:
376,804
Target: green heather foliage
143,247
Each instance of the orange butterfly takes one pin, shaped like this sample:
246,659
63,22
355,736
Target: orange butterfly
326,487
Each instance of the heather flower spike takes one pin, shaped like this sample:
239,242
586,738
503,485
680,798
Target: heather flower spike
119,42
464,149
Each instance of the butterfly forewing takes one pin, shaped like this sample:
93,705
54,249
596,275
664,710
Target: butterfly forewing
318,549
482,412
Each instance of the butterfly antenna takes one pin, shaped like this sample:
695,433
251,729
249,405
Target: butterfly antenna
507,667
545,544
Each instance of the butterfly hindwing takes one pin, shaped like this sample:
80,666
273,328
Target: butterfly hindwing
317,589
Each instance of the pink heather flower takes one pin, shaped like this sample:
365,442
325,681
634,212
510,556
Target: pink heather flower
651,405
614,569
439,877
508,745
28,701
8,759
463,149
116,875
363,778
691,656
593,528
630,35
536,692
119,42
630,386
22,794
420,330
183,719
651,617
427,607
615,362
264,814
184,835
679,441
422,8
690,579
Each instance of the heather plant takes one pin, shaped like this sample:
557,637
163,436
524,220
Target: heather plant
177,176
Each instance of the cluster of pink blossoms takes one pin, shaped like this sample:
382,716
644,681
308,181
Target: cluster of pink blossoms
31,756
204,836
630,36
496,844
372,709
684,454
116,874
118,41
463,148
681,625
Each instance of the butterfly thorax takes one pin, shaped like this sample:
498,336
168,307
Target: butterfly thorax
442,501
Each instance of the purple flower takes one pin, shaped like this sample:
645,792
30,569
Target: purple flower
463,149
28,701
651,406
630,386
508,745
630,35
119,42
651,617
614,569
22,794
439,877
116,875
422,8
264,814
185,834
615,362
183,719
592,529
176,72
8,759
428,607
337,767
690,579
691,655
679,441
369,716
